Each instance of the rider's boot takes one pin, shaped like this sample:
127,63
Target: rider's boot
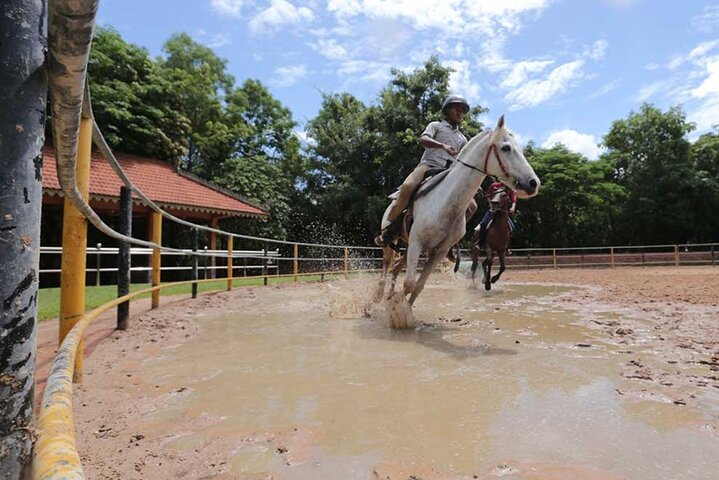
389,233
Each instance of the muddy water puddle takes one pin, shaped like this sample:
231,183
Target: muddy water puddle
299,385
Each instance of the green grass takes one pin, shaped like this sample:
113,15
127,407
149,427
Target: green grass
49,298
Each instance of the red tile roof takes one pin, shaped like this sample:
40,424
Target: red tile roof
158,180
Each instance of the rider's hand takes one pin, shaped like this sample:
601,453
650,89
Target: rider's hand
450,149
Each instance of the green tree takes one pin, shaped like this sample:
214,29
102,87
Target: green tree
577,205
134,105
704,155
201,84
651,153
264,163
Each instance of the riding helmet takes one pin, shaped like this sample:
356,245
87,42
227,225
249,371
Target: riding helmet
452,99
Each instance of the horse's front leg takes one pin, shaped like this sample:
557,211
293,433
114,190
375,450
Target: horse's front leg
502,253
475,260
487,269
413,252
432,261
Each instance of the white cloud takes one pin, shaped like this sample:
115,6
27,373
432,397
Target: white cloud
598,50
583,143
330,49
460,80
288,76
653,89
606,88
708,20
710,86
455,15
219,40
280,13
227,7
706,115
534,92
620,3
521,71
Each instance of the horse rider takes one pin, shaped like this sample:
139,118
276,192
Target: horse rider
489,215
442,141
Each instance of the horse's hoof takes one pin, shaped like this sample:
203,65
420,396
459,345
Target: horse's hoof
488,286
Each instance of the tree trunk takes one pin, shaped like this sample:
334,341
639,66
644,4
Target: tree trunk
23,42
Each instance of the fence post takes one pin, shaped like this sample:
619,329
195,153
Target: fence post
347,261
676,255
229,262
554,257
611,255
195,236
74,248
123,258
713,255
156,234
296,261
205,263
97,263
22,120
264,266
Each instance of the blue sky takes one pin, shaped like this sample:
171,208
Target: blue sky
561,70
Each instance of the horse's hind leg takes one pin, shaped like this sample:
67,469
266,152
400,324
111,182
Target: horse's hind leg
502,253
399,264
387,257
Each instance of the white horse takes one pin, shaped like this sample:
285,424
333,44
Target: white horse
439,215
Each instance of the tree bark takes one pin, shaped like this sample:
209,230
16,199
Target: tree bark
23,43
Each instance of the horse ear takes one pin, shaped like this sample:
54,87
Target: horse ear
500,122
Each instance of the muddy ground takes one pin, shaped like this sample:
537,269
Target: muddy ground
673,310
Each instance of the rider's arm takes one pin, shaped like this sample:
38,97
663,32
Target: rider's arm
429,142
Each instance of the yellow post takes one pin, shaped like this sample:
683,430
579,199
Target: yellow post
676,255
296,262
611,255
347,261
156,237
74,248
554,257
229,263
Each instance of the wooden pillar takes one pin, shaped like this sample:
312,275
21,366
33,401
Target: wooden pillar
123,259
214,223
195,238
74,248
347,261
296,263
676,255
156,237
229,263
554,257
611,255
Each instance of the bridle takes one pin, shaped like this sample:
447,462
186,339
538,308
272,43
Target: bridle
492,148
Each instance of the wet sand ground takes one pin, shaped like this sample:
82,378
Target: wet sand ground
662,322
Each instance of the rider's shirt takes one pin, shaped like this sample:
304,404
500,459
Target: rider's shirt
442,132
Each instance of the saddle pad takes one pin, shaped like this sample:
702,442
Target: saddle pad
427,184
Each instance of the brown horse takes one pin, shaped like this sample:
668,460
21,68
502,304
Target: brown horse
497,239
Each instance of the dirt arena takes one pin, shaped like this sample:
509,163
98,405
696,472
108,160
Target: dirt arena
675,311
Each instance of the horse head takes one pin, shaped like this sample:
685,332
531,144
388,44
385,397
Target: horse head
499,201
505,161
